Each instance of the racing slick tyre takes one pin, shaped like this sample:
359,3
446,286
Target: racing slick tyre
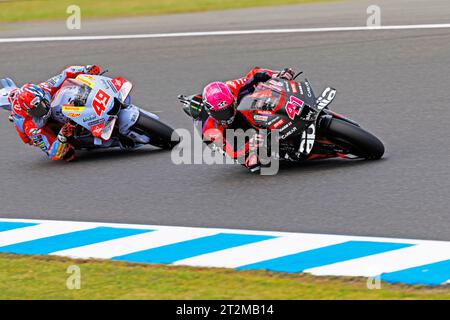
160,134
359,142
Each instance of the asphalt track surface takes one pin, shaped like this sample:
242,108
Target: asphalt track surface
395,83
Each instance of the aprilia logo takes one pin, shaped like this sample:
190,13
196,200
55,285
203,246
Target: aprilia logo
326,98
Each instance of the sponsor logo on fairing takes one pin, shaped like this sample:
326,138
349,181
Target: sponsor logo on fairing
87,80
264,112
118,83
69,108
273,120
307,140
257,117
96,122
308,89
294,87
300,88
287,87
89,118
52,82
278,123
106,83
97,129
73,115
287,125
327,97
287,134
134,117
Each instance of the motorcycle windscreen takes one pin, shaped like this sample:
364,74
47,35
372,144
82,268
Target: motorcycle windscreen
72,93
263,98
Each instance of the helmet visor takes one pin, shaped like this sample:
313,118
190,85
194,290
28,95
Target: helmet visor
40,110
224,114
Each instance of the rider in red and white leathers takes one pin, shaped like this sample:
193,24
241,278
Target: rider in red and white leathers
30,113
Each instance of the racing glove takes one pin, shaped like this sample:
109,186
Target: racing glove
93,69
287,74
260,77
67,130
252,162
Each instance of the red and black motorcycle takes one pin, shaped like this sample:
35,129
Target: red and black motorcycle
307,128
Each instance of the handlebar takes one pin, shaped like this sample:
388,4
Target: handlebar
183,98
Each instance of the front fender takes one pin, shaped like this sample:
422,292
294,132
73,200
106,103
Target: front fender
127,118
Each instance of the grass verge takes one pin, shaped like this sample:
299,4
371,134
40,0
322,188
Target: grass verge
23,10
45,277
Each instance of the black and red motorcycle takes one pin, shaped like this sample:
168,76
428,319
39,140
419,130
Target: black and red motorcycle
307,128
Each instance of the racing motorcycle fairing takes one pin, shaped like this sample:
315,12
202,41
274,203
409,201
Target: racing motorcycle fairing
326,98
92,102
286,106
123,86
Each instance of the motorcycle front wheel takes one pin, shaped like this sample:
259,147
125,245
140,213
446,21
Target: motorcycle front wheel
358,141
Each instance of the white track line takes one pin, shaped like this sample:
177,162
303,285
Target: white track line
122,246
395,260
222,33
261,251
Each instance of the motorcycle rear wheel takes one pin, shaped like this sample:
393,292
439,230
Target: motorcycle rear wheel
358,141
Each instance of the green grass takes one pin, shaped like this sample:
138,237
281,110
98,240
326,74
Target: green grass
26,10
44,277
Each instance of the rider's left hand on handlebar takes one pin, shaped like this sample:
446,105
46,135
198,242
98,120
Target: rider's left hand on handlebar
261,77
93,69
287,74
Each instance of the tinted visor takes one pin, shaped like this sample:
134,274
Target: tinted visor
39,111
224,114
